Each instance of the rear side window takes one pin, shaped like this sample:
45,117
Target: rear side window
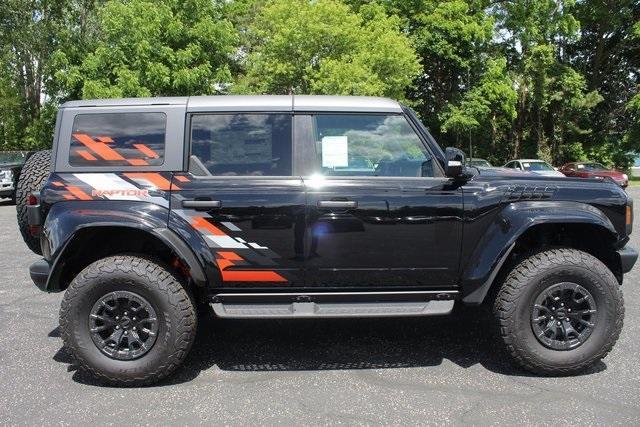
243,144
118,139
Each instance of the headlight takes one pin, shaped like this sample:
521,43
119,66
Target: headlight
6,175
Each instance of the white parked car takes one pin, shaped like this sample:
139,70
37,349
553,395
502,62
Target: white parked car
539,167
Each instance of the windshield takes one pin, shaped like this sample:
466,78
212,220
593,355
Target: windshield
537,166
12,157
591,167
479,162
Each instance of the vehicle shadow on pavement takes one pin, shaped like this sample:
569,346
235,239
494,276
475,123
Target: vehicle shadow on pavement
465,339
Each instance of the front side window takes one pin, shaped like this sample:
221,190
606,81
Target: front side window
369,145
242,144
118,139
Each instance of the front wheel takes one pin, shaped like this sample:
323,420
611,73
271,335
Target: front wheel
559,312
127,320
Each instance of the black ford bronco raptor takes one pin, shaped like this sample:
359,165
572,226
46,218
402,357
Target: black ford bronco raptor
307,207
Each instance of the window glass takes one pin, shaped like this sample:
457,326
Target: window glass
369,145
118,139
243,144
537,166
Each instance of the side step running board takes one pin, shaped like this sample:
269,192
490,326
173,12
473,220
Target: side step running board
306,306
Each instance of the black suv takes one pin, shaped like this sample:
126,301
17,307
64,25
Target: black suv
309,207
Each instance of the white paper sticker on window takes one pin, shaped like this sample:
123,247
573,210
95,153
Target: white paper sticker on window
526,165
335,152
580,166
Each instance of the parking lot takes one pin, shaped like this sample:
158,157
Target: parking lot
369,371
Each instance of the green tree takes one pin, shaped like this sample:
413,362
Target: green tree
608,55
486,111
28,32
452,39
552,95
324,47
153,48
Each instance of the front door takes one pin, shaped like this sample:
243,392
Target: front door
379,211
241,197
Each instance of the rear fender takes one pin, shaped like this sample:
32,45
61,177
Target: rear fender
496,244
66,221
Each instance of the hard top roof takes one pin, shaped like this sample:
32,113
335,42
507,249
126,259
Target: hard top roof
255,103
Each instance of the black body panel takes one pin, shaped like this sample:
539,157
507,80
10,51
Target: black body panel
254,226
303,233
401,232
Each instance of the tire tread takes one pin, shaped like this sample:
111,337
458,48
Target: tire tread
505,306
146,270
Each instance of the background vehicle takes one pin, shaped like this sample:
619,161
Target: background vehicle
479,163
539,167
594,170
310,207
11,163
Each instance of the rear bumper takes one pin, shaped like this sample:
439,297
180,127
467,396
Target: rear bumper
628,258
39,272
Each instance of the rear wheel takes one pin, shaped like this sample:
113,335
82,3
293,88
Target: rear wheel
32,177
559,312
127,320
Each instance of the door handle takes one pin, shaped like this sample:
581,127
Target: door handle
201,204
341,204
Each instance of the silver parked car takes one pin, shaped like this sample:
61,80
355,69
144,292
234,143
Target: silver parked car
537,166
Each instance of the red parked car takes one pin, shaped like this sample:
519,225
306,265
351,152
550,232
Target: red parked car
594,170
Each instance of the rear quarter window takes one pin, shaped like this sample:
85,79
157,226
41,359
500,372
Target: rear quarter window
118,139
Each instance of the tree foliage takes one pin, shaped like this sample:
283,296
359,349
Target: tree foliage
325,47
145,48
557,79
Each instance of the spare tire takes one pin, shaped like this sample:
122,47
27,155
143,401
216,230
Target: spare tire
34,173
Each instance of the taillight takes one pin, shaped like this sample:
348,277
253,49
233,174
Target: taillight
32,200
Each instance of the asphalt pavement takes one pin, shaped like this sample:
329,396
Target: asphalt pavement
359,372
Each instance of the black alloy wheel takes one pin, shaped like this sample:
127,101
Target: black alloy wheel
563,316
123,325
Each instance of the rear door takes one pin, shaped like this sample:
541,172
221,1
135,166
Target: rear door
380,213
241,197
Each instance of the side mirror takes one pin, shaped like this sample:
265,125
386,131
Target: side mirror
454,162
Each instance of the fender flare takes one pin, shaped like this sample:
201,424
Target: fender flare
498,241
71,221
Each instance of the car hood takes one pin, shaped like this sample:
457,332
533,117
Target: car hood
549,173
498,171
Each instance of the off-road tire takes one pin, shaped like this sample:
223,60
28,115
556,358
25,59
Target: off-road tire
514,304
34,173
177,319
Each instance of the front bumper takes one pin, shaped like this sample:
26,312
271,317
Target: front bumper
628,257
39,272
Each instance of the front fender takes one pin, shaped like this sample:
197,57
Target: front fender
495,245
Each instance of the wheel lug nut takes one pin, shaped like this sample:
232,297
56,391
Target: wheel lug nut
117,317
134,319
117,326
558,325
562,304
125,313
125,332
134,328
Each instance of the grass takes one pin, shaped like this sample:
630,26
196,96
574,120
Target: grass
634,181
